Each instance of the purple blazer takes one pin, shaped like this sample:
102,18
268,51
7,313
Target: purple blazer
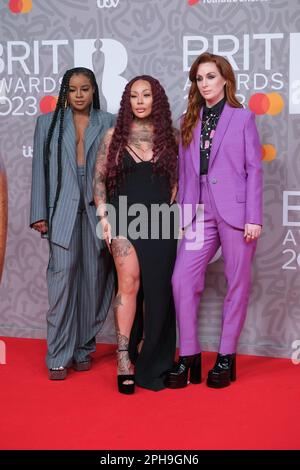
234,172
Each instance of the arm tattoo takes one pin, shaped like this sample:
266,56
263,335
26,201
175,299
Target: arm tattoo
99,186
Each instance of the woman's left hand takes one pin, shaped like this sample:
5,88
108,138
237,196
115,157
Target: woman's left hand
252,232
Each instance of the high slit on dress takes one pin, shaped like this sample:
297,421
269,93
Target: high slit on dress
155,313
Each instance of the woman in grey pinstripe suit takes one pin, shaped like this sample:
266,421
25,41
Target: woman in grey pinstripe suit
80,275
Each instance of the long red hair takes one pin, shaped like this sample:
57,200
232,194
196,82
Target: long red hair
164,144
196,101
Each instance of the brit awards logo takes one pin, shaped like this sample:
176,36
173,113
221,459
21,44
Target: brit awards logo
291,219
24,91
108,59
294,76
265,81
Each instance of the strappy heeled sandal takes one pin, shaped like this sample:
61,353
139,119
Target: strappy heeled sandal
123,387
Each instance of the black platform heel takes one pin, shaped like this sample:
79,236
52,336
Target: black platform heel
223,372
187,366
127,389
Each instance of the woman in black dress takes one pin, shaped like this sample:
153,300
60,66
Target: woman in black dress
138,161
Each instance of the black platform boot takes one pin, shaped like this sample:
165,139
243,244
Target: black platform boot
223,372
187,366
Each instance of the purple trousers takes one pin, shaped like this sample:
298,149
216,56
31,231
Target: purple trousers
189,278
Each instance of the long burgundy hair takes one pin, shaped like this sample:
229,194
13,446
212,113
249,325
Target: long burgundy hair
164,144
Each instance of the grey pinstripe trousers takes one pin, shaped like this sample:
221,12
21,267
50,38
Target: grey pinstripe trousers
80,288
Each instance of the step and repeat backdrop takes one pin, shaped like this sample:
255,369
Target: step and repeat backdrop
119,39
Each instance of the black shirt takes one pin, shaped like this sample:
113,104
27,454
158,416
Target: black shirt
210,118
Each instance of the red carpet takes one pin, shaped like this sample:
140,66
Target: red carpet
259,411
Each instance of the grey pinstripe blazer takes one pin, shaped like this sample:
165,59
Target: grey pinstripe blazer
67,205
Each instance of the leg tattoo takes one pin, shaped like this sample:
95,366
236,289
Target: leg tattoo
121,247
124,364
117,302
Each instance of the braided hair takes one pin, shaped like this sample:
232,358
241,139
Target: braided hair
60,112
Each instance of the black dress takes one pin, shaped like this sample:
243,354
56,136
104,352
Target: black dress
156,259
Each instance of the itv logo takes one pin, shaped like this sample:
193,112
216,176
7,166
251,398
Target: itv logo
107,3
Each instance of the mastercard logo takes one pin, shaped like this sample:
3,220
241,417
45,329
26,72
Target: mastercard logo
269,152
48,104
20,6
266,103
193,2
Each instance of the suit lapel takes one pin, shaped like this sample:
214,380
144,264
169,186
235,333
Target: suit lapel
91,132
69,140
196,144
220,131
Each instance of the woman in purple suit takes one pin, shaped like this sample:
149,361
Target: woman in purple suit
220,192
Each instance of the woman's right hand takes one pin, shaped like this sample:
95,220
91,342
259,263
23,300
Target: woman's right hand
41,226
106,227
